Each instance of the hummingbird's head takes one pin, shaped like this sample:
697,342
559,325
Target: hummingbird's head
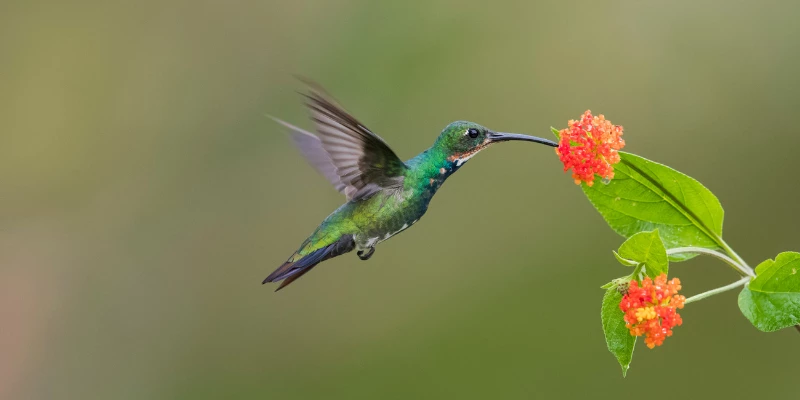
461,140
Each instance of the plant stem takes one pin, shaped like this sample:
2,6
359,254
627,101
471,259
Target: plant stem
719,290
741,268
733,254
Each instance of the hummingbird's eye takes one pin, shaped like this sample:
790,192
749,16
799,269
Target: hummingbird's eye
473,133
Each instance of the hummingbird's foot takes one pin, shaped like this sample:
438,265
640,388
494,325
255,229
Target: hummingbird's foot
366,256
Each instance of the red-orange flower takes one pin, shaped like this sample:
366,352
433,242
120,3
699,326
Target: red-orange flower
589,147
650,308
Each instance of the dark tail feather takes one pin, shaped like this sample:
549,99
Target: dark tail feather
290,271
284,268
290,279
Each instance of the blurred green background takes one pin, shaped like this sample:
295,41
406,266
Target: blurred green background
144,196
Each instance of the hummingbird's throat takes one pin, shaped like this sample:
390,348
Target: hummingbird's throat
461,158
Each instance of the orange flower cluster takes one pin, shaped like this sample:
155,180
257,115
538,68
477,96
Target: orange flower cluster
650,308
589,147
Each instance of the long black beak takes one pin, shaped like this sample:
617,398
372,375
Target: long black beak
502,137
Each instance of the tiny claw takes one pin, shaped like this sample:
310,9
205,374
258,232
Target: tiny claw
366,256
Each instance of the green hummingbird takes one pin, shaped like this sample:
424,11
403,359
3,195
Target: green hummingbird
385,195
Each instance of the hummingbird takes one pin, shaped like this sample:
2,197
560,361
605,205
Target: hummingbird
385,195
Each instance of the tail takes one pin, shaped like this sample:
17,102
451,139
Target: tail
294,268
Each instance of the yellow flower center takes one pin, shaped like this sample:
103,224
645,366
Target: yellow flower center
645,313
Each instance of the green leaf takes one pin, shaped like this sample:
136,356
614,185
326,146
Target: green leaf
645,195
647,250
771,301
556,132
624,261
780,275
770,312
618,337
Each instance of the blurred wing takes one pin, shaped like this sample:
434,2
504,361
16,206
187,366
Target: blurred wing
311,148
363,162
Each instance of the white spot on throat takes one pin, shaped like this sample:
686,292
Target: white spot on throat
465,158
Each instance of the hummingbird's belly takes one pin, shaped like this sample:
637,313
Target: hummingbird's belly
366,240
392,217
